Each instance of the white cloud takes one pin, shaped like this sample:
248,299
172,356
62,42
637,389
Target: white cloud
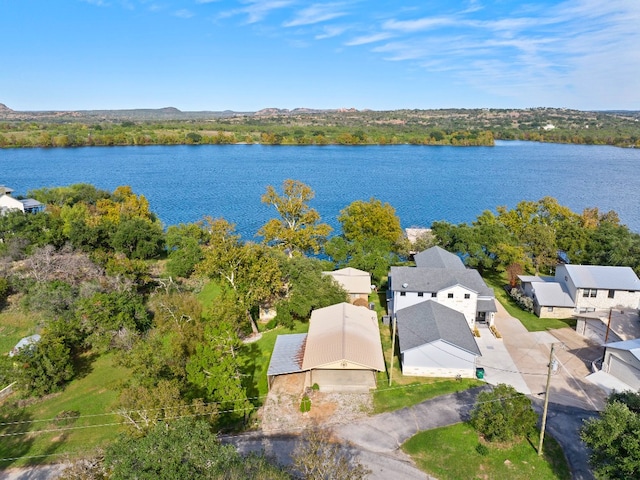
331,31
426,23
316,13
183,13
365,39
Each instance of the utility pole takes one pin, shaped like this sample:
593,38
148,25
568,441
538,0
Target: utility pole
606,337
546,402
393,348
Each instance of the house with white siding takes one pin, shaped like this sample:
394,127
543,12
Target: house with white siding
436,305
576,289
435,341
441,276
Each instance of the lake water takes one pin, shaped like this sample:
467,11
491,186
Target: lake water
185,183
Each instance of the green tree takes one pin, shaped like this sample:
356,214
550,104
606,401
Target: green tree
138,238
301,276
110,319
44,367
503,414
614,442
373,219
250,271
214,367
298,228
184,244
184,449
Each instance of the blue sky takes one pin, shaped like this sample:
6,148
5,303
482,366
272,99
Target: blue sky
251,54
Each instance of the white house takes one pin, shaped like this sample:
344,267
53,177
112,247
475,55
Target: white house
441,276
27,205
622,361
435,342
582,288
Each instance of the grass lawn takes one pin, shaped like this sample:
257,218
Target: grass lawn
92,395
208,293
453,453
15,325
530,321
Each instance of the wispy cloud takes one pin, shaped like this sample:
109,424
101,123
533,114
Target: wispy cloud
257,10
331,31
373,38
183,13
316,13
419,24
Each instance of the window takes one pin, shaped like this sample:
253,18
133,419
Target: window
434,295
421,294
612,293
450,295
467,295
403,294
590,292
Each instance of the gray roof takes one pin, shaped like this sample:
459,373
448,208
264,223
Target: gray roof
487,305
632,346
287,354
605,277
422,279
31,203
429,321
436,257
552,294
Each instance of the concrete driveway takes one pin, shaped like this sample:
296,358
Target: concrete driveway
530,353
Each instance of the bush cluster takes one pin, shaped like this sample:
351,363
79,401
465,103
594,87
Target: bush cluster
526,303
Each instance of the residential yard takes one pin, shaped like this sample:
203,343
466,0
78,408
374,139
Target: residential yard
457,452
530,321
14,325
38,429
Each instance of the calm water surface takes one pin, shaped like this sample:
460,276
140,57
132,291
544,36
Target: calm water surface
185,183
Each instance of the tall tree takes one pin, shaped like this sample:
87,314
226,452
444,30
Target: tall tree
250,271
298,228
373,219
214,368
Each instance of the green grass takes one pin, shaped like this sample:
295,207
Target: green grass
15,325
451,453
208,293
254,359
530,321
93,393
387,399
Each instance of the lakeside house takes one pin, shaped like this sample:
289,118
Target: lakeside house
436,305
26,205
341,352
357,283
579,289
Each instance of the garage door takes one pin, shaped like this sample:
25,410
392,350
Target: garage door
624,371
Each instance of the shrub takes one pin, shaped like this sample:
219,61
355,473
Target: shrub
503,414
305,404
526,303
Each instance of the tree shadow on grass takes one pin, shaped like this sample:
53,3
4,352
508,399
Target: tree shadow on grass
83,364
15,441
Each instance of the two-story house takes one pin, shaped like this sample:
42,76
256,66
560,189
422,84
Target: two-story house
436,305
441,276
576,289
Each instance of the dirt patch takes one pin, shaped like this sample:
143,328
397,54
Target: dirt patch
281,410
